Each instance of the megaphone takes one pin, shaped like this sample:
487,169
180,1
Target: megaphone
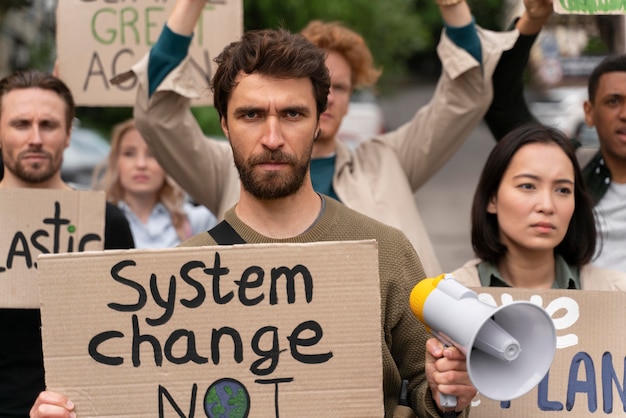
508,349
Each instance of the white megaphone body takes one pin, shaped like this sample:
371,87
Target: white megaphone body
508,349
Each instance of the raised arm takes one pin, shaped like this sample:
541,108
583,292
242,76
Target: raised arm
536,14
185,15
469,56
509,109
201,166
456,14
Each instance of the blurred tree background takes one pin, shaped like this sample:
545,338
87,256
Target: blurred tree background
6,5
393,29
402,35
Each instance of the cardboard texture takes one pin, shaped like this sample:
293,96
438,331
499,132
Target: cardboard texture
35,221
589,7
587,375
97,40
309,357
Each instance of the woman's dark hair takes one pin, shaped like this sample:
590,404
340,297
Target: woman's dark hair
275,53
578,245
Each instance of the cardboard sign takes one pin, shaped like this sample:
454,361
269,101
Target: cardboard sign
99,39
589,7
36,221
587,374
290,330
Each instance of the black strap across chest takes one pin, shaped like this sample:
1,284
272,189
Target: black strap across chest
224,234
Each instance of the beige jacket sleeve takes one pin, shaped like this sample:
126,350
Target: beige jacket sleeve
597,278
203,167
461,99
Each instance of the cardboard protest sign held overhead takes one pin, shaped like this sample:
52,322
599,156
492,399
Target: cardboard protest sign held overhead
289,330
587,374
36,221
99,39
590,7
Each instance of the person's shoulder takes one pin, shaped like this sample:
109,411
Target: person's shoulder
467,274
599,278
113,213
201,239
117,233
364,223
376,147
357,226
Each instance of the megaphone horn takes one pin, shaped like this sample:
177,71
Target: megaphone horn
508,349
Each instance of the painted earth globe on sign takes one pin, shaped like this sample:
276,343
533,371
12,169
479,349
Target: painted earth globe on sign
227,398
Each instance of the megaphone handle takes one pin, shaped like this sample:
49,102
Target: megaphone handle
447,401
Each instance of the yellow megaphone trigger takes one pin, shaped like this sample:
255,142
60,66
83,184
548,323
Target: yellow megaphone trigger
420,293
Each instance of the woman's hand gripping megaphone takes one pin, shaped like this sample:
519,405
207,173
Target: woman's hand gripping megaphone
507,350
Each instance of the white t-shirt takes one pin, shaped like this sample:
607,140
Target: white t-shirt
159,232
610,215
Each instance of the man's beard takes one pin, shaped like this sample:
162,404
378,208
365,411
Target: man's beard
32,172
271,185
